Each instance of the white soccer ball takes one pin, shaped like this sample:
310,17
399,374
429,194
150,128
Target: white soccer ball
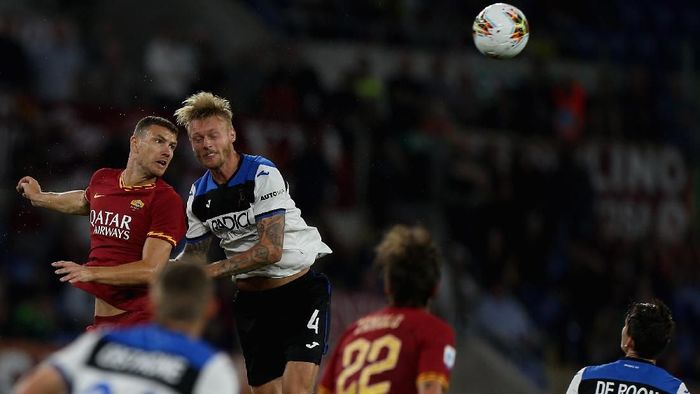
500,31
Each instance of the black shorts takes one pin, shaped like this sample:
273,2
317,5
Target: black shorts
287,323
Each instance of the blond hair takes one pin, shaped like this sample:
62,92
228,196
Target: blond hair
410,260
202,105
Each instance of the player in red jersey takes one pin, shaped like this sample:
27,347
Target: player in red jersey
401,348
135,221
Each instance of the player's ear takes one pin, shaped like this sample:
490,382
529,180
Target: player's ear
233,134
134,143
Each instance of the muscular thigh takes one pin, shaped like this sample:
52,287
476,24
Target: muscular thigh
289,323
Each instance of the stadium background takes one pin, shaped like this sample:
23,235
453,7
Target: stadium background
561,184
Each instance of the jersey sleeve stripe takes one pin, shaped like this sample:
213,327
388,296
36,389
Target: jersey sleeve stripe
270,213
163,236
435,377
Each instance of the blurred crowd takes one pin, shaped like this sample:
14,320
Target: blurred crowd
625,31
497,171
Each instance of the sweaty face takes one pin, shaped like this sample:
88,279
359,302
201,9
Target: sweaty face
212,141
155,149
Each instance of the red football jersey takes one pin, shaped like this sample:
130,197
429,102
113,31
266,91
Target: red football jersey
121,218
391,351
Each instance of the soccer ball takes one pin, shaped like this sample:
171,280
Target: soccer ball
500,31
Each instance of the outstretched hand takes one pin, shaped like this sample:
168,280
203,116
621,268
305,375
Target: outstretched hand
72,272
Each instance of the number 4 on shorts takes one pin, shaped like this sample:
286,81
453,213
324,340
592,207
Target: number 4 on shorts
313,321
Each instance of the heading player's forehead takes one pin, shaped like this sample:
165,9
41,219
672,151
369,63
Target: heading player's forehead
209,124
157,131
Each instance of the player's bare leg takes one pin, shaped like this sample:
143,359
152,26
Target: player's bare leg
299,377
271,387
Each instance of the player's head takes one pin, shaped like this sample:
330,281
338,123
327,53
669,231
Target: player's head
409,259
153,145
143,125
207,118
648,328
182,293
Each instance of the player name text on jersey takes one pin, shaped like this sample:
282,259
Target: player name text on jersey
622,388
372,323
162,366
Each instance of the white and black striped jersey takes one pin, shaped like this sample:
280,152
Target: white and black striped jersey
627,375
230,211
144,359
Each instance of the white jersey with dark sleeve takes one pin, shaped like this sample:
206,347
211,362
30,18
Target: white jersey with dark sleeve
144,359
230,211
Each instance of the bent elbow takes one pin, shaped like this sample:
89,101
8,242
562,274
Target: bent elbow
275,255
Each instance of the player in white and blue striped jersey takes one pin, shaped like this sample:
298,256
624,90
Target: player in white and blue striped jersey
166,357
647,331
244,202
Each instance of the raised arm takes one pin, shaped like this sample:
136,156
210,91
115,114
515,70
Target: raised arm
155,255
72,202
267,251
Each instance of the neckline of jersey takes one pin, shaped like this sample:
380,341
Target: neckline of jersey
232,177
126,187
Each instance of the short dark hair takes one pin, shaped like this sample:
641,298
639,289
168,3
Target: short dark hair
183,291
410,261
650,325
148,121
